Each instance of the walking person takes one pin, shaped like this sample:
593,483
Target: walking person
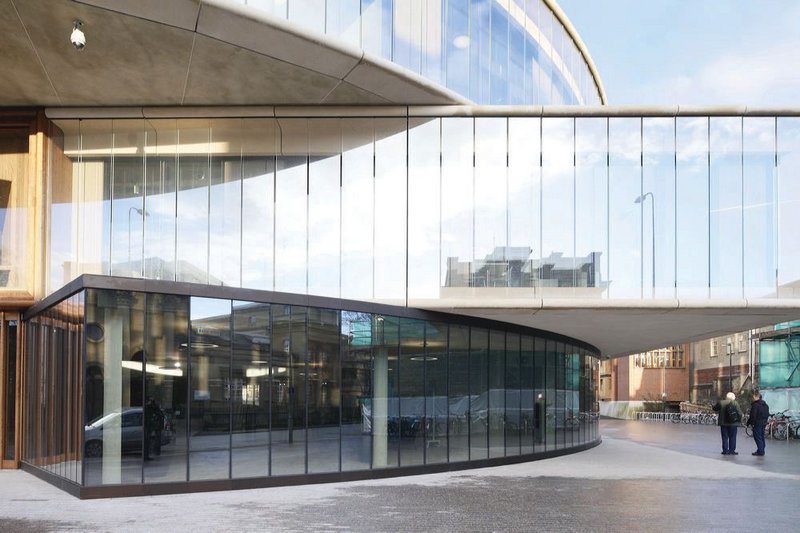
759,415
728,419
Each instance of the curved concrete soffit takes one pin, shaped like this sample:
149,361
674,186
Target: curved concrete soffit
361,75
562,18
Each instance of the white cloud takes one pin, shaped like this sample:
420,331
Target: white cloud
758,77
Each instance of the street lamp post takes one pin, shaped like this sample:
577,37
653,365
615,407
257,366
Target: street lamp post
140,212
730,364
640,200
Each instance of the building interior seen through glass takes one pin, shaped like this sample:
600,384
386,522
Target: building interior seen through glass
411,210
489,51
180,388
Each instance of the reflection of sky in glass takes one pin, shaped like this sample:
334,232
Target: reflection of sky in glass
489,51
477,195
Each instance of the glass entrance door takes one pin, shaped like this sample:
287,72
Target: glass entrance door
9,393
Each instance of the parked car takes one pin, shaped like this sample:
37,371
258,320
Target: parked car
130,426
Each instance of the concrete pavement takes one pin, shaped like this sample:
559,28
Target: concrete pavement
643,477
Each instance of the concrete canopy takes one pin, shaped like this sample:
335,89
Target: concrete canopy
619,328
188,52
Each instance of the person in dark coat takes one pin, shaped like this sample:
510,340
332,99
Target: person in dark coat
759,415
728,425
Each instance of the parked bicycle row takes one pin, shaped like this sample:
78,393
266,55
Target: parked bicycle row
783,425
680,418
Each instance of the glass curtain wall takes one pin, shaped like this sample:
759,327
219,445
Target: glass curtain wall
126,387
406,211
493,52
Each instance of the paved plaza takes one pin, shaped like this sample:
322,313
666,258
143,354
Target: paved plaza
645,476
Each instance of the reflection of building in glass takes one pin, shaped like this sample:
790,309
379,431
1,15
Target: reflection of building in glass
514,267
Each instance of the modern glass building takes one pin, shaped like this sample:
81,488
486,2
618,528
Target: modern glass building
286,242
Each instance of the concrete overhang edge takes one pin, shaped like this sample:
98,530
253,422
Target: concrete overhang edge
412,111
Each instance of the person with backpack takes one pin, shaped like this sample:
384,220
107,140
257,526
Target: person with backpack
759,415
729,417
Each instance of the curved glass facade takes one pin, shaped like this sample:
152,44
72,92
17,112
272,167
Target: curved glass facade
139,388
490,51
416,210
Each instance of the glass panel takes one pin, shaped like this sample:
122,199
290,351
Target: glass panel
550,400
490,262
527,394
358,209
191,242
560,412
658,179
524,217
759,190
532,51
127,195
499,54
458,44
458,395
407,34
258,203
359,421
479,394
539,386
114,434
250,381
591,207
13,208
424,211
343,20
10,385
78,391
497,395
376,27
210,409
291,204
432,16
516,61
94,197
625,214
480,50
513,415
225,204
546,64
390,211
691,199
322,378
387,433
557,268
167,383
62,163
788,217
725,207
324,207
288,405
309,14
161,165
413,363
436,405
457,199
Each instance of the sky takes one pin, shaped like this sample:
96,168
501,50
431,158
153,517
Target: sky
693,52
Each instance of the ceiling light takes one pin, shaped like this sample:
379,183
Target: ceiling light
77,37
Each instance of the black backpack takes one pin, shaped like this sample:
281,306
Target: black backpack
732,415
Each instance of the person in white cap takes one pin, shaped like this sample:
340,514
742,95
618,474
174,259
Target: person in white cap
729,417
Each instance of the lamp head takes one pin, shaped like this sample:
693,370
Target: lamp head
77,37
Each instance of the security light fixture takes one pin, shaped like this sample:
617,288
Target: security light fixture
77,37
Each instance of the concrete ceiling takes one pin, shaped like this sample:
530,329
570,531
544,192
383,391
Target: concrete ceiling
622,328
187,52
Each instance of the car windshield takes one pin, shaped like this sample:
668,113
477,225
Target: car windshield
96,423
